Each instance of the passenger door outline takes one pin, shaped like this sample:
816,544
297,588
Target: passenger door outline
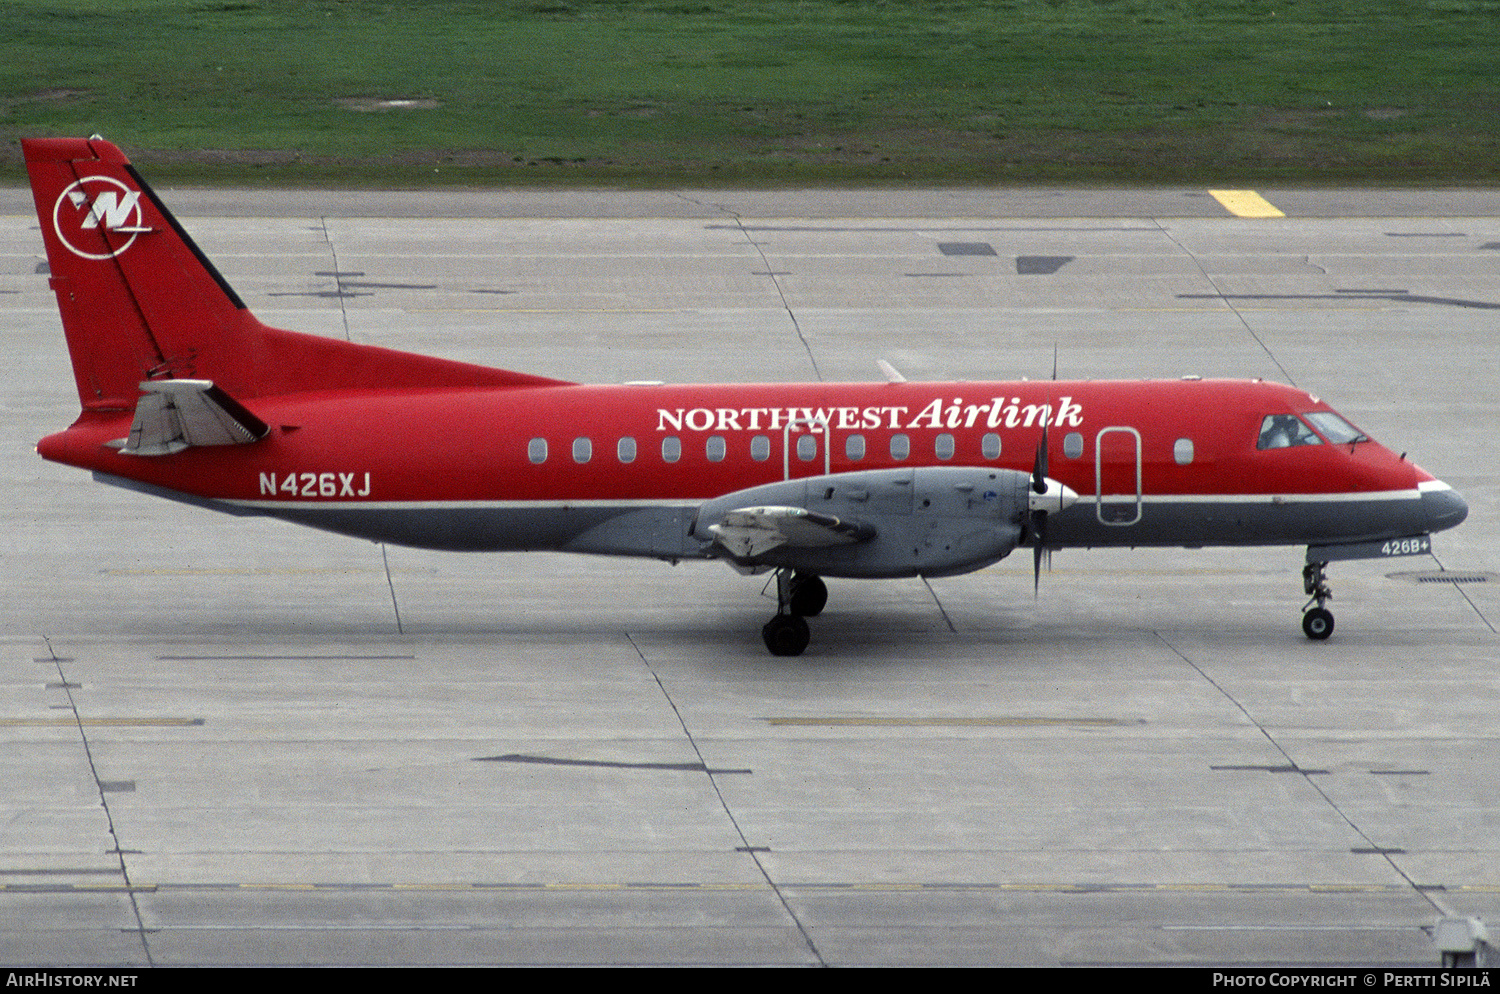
1117,512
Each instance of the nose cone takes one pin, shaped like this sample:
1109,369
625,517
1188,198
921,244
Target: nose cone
1056,497
1442,505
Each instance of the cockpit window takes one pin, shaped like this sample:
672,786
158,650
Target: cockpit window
1283,431
1336,429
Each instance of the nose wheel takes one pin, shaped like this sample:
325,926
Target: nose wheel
1317,622
799,596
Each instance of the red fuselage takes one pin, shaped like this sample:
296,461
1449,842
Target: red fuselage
1154,463
186,395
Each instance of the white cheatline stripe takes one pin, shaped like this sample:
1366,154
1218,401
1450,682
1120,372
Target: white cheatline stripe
463,505
530,505
1245,203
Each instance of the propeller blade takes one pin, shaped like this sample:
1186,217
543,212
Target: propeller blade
1039,536
1047,492
1039,468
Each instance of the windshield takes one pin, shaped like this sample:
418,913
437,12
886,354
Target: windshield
1283,431
1335,429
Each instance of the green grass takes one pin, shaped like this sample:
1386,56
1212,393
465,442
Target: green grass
774,92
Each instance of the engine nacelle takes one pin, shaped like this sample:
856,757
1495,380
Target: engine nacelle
927,521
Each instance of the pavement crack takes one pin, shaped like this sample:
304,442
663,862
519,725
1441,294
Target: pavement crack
1308,777
337,280
1219,292
752,851
119,851
386,560
771,274
936,600
1465,595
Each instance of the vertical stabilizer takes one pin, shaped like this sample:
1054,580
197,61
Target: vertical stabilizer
140,301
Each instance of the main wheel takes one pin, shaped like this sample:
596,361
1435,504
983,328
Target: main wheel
809,595
786,635
1317,624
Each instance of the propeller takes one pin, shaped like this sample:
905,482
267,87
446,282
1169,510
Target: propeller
1047,495
1038,514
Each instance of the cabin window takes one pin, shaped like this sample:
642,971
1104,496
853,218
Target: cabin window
990,446
854,447
807,448
1285,431
536,450
625,449
671,449
760,448
1073,445
714,448
583,449
943,447
1182,451
900,446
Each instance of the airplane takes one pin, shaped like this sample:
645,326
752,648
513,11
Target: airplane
186,395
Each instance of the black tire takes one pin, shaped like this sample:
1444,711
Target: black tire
1317,624
786,635
809,595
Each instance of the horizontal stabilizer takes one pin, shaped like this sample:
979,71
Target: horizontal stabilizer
752,531
173,415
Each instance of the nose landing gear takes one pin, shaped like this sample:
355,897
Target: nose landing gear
798,596
1317,622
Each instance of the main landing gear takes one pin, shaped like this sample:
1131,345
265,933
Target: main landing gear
1317,622
798,596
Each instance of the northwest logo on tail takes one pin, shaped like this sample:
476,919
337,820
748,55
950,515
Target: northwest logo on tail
88,218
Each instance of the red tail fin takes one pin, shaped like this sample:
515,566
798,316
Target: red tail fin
140,301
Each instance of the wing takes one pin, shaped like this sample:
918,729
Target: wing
748,532
927,521
172,415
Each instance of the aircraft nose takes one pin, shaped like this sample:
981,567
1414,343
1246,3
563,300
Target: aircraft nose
1443,506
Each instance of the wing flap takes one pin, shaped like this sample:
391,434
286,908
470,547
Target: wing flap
172,415
749,532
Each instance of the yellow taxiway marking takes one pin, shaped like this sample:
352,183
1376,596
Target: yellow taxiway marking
997,722
545,310
232,571
100,722
1245,203
1028,887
